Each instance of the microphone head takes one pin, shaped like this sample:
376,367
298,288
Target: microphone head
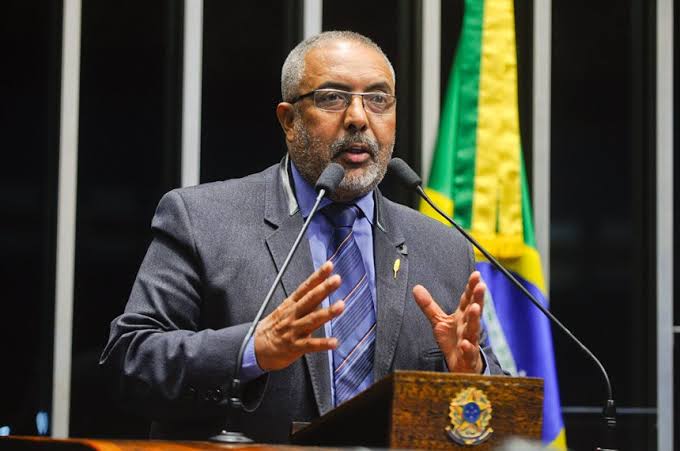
403,171
330,178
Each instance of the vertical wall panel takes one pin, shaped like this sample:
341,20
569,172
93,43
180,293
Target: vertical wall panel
191,92
664,175
66,217
30,39
542,44
431,81
244,46
128,157
676,221
312,17
603,209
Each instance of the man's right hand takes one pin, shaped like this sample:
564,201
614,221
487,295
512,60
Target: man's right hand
284,335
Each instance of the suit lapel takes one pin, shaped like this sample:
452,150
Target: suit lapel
282,213
391,291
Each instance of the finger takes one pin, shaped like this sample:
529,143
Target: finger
478,295
473,313
306,345
466,297
312,281
469,354
316,295
309,323
473,324
428,305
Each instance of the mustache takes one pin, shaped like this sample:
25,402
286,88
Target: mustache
345,143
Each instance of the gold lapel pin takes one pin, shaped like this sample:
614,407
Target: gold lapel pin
395,268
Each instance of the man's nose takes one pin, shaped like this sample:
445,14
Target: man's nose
355,115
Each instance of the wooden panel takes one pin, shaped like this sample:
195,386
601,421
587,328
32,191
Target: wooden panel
420,408
410,409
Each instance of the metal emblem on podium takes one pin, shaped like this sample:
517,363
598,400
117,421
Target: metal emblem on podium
470,415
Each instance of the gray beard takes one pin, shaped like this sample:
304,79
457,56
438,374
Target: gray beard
311,157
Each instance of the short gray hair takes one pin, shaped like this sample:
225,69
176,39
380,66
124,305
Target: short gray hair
294,67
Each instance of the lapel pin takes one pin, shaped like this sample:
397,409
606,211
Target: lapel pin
395,268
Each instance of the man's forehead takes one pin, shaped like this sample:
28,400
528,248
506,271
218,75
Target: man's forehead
353,65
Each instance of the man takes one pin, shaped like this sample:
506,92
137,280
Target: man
336,326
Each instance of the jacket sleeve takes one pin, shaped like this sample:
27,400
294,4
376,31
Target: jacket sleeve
160,360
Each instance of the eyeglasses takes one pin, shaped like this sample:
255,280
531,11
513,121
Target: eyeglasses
337,101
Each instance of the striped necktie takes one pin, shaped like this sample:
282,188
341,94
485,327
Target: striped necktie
355,328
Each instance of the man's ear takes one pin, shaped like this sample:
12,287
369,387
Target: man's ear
285,113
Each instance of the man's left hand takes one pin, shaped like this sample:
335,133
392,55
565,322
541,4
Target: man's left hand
457,334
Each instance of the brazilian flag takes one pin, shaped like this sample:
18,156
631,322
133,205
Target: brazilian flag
478,177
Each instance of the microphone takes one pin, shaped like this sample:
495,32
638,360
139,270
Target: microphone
327,183
410,179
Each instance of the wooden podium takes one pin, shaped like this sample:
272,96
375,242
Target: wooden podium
418,409
408,409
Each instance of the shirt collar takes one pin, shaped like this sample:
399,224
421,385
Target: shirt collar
306,196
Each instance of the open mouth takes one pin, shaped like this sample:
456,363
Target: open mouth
357,148
356,153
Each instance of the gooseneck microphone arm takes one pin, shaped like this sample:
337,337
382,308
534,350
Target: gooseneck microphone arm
409,177
327,183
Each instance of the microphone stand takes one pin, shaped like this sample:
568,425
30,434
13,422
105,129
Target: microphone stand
235,403
609,410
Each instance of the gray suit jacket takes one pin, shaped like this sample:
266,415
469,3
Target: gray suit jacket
215,252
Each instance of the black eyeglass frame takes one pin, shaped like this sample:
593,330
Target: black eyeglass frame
351,94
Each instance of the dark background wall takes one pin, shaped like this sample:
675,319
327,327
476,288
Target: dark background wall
603,209
29,116
603,198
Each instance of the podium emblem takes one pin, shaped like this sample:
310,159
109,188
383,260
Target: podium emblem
470,415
